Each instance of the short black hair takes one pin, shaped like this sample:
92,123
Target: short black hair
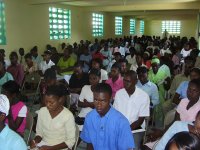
12,87
28,56
99,61
117,66
95,72
196,82
58,89
13,54
103,88
123,61
142,70
189,59
196,70
131,74
50,73
78,64
184,140
117,54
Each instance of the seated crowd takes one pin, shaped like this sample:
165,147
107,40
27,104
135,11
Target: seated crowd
116,92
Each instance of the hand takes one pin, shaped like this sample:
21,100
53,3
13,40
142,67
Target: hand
45,147
32,144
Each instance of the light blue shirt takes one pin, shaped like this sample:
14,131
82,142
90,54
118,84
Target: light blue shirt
110,132
176,127
86,58
9,140
37,59
182,89
151,89
7,77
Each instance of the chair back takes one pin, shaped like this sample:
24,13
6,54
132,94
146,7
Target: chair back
169,117
77,137
29,126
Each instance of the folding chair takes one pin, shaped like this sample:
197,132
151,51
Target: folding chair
30,87
77,138
29,127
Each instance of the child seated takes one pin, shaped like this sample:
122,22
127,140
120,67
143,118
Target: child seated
55,125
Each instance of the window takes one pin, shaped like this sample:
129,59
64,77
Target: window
171,26
132,26
2,24
142,26
118,25
59,23
97,24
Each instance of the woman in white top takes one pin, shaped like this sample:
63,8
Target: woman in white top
86,100
55,125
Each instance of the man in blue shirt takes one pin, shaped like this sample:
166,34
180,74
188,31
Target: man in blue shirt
149,87
105,128
9,140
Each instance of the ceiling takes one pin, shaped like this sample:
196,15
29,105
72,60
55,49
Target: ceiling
132,7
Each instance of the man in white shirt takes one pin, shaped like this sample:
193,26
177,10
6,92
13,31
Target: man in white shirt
47,63
134,104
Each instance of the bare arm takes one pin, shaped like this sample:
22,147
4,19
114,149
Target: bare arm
137,124
90,146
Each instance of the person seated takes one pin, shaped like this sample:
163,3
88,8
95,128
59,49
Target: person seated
46,63
115,81
55,125
177,127
35,57
76,82
2,58
107,55
104,127
30,66
85,58
149,87
18,110
146,59
160,75
16,69
124,66
4,76
131,58
66,63
10,140
97,64
181,91
188,107
183,140
185,51
86,100
133,97
55,55
139,63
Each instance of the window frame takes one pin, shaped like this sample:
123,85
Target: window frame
118,25
132,24
97,25
142,26
3,40
172,26
59,23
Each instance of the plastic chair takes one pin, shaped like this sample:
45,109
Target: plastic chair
29,126
77,138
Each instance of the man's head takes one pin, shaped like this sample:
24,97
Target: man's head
2,54
193,91
102,96
142,73
47,55
34,51
28,58
50,76
4,107
78,70
195,73
130,80
139,60
13,58
115,70
117,56
189,64
123,64
96,63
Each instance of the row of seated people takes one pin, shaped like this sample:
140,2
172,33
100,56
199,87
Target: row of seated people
104,127
156,74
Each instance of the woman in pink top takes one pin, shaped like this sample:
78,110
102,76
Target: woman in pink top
18,112
189,107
